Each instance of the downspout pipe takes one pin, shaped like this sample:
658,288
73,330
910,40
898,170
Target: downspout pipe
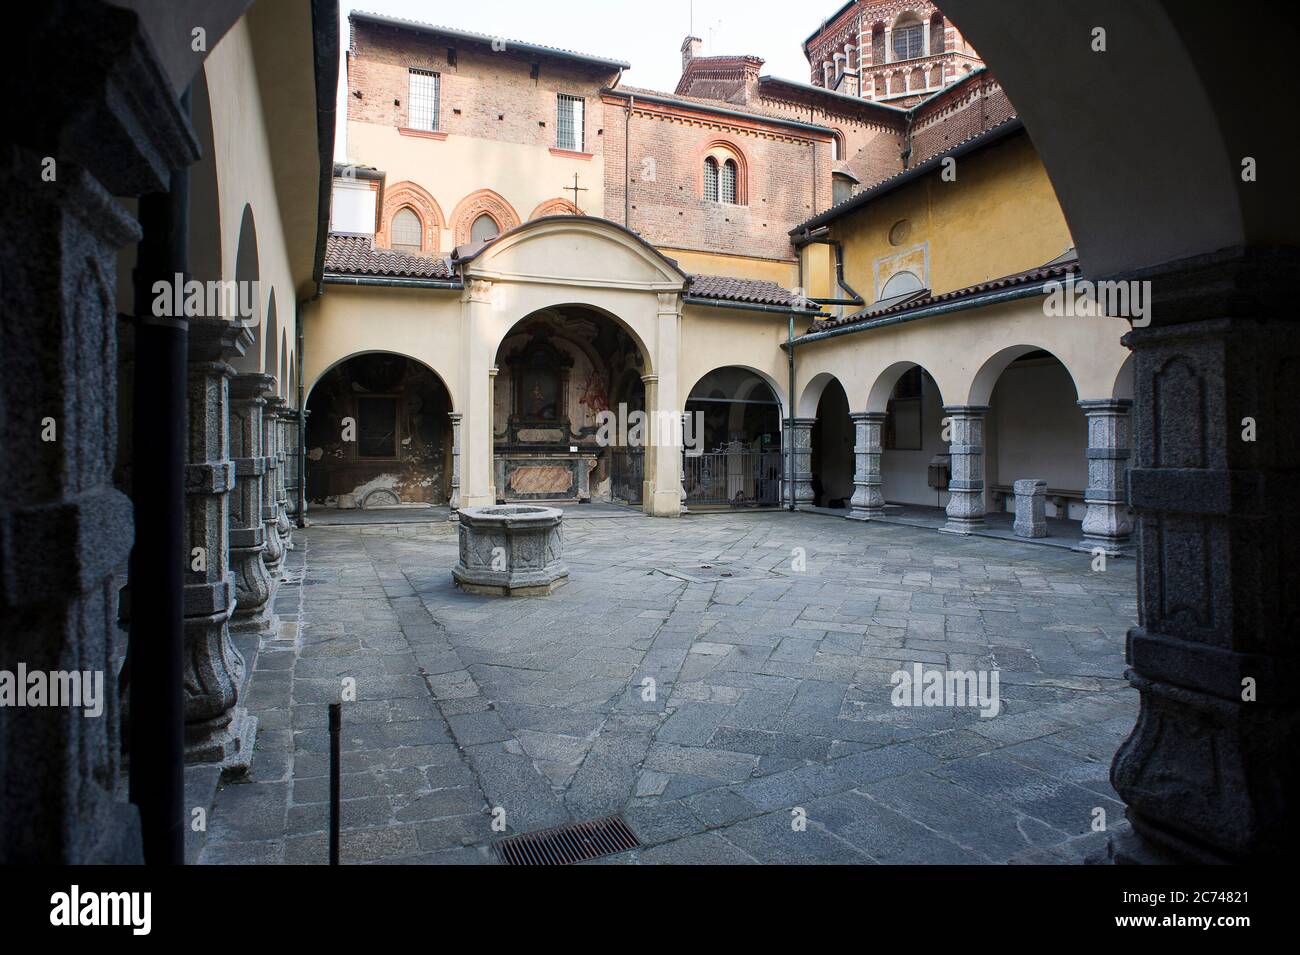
627,158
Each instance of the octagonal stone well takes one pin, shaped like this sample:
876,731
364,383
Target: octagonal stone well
511,550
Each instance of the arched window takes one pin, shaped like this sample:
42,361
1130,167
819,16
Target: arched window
727,183
908,38
484,228
936,34
900,283
407,231
711,179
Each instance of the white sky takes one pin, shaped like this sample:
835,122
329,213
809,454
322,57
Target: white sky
625,30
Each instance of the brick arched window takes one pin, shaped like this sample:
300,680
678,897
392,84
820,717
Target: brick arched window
724,174
410,220
936,34
465,222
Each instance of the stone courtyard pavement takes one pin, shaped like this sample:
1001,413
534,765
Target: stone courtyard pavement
772,694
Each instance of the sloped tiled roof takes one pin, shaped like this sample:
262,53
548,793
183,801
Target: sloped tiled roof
1043,273
749,291
356,255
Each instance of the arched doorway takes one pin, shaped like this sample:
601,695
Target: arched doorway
567,395
378,434
733,452
832,443
1034,429
907,406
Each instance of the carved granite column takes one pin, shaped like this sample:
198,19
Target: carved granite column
217,729
279,415
64,528
868,500
493,490
247,532
291,475
454,498
1106,523
1210,771
966,485
698,436
802,477
273,556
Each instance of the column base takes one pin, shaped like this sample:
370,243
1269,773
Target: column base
226,741
963,525
1111,548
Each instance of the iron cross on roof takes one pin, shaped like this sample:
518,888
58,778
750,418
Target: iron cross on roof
575,189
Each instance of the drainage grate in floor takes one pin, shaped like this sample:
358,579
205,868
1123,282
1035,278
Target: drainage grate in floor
564,845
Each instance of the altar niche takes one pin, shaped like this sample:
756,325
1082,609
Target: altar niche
378,434
557,371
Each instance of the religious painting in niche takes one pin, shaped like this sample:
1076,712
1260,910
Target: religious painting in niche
539,394
376,427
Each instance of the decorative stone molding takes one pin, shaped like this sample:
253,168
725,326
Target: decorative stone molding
555,207
407,193
253,587
966,485
217,730
477,204
868,500
1106,523
478,291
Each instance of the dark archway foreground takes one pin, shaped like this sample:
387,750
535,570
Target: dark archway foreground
1145,144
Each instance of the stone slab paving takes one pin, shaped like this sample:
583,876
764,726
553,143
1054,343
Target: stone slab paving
722,681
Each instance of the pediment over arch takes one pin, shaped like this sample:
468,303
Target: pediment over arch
574,250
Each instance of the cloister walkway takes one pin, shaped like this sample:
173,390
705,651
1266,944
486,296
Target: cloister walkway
770,639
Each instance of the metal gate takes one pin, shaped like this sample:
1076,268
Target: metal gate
626,473
735,478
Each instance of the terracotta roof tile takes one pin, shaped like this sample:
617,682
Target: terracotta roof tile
356,255
752,291
1042,273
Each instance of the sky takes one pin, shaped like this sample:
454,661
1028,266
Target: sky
646,33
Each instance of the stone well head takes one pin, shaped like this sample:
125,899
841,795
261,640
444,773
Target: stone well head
511,550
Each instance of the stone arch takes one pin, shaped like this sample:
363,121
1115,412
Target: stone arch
990,370
883,387
1123,387
554,207
417,198
248,270
483,202
767,379
812,394
284,365
307,391
271,363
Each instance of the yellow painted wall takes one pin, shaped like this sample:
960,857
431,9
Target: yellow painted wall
999,216
784,274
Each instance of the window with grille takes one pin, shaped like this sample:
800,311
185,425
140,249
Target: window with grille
727,182
406,231
907,42
422,104
568,122
376,427
711,179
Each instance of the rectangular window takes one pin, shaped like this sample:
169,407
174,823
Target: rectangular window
376,427
569,122
422,104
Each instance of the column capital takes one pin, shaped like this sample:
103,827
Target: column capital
478,290
455,416
252,385
870,417
968,410
1106,405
